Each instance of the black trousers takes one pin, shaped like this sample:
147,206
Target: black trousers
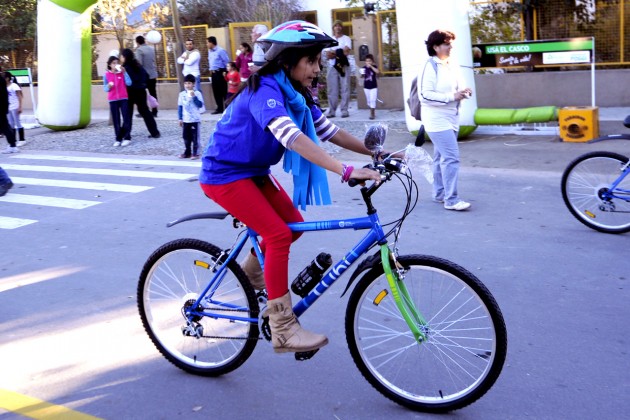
219,88
138,97
6,129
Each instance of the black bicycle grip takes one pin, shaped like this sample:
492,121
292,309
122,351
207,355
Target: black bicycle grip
354,182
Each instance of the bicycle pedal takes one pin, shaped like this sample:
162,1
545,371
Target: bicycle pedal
305,355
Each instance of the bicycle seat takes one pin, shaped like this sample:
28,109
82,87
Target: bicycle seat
626,122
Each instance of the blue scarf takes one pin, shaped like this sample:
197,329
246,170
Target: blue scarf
309,180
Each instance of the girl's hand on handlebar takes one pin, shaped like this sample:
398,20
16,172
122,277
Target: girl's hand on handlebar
365,174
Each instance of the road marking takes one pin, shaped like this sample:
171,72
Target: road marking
102,186
38,409
94,171
39,200
14,223
184,163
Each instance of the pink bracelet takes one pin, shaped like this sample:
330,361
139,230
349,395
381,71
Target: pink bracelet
346,172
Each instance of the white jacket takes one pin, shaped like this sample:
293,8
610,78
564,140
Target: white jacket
437,94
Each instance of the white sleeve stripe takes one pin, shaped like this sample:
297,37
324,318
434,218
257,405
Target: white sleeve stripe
330,133
284,130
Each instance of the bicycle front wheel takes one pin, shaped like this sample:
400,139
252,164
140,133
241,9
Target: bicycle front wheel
588,194
171,281
466,339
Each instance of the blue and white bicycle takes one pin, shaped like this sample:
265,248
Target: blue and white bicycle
425,332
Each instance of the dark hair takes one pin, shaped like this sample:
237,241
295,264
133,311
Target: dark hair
190,78
140,39
110,60
247,46
370,56
438,37
233,64
10,77
190,40
130,59
285,61
212,40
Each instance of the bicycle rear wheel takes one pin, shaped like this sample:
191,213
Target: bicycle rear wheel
466,342
171,281
586,184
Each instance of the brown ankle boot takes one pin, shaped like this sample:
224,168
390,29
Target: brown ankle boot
251,267
372,116
286,333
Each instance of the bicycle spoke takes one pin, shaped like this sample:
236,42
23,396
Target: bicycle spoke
453,365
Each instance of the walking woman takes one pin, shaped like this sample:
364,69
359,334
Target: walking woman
271,115
441,92
137,92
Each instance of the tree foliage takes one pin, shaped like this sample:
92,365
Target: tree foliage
220,13
18,20
113,16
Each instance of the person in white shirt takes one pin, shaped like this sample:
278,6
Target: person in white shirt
190,59
258,57
338,75
441,91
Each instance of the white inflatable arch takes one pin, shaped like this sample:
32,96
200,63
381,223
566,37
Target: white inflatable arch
64,66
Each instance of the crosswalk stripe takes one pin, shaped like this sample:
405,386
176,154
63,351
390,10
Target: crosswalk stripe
84,185
96,171
39,200
14,223
183,163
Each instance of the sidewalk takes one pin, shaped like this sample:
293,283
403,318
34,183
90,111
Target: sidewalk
527,150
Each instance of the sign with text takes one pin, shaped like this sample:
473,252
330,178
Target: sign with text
23,76
534,53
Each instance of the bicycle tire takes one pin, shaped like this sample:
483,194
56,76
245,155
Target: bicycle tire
466,343
174,276
584,181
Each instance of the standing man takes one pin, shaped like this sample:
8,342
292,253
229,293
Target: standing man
217,63
190,59
338,75
259,55
146,56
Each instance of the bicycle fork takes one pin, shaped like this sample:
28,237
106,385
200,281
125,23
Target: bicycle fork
405,305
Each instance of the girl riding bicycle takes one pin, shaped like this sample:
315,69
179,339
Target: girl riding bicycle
273,115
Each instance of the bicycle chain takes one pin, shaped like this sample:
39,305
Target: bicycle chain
229,338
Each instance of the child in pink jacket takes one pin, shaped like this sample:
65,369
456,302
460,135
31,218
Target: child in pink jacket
115,82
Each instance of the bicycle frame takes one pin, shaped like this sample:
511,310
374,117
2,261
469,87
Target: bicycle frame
613,188
375,235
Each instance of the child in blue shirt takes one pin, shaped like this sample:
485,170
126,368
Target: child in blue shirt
274,115
189,109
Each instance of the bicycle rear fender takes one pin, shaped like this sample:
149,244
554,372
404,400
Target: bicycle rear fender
365,265
214,215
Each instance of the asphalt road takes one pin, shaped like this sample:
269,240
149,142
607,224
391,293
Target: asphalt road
70,333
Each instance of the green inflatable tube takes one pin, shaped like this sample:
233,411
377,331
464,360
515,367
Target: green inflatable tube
501,116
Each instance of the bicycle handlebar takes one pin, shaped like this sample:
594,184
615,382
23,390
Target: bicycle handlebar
386,168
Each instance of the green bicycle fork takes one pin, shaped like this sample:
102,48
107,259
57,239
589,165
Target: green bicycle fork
404,303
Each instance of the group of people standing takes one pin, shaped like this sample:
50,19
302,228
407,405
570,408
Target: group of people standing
126,81
10,125
226,78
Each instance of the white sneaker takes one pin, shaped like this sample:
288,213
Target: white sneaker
116,143
459,206
21,143
10,149
125,142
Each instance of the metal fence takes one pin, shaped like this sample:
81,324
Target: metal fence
490,21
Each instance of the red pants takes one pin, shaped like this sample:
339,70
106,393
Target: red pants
264,206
